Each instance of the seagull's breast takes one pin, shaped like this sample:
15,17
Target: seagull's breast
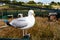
31,21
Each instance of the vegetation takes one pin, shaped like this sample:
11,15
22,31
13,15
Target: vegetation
42,30
5,1
53,3
31,3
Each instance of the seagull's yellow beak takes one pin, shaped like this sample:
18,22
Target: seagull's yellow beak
33,14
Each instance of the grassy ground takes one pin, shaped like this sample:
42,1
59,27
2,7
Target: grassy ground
5,6
42,30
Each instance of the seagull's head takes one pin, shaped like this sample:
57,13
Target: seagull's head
31,12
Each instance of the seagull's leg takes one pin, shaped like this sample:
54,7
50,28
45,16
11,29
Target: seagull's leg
23,32
26,33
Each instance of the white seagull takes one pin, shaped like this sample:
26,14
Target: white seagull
23,22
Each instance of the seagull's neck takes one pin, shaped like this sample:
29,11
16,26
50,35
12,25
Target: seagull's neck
30,16
32,19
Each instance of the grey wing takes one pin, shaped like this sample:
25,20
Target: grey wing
19,23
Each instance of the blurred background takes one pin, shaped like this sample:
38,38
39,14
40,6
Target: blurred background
47,26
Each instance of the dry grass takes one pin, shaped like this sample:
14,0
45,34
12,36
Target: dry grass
42,30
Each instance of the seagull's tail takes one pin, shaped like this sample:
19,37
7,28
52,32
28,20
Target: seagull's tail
7,22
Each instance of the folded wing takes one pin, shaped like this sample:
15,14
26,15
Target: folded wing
20,22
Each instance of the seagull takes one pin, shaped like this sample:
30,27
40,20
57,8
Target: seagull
20,15
23,22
